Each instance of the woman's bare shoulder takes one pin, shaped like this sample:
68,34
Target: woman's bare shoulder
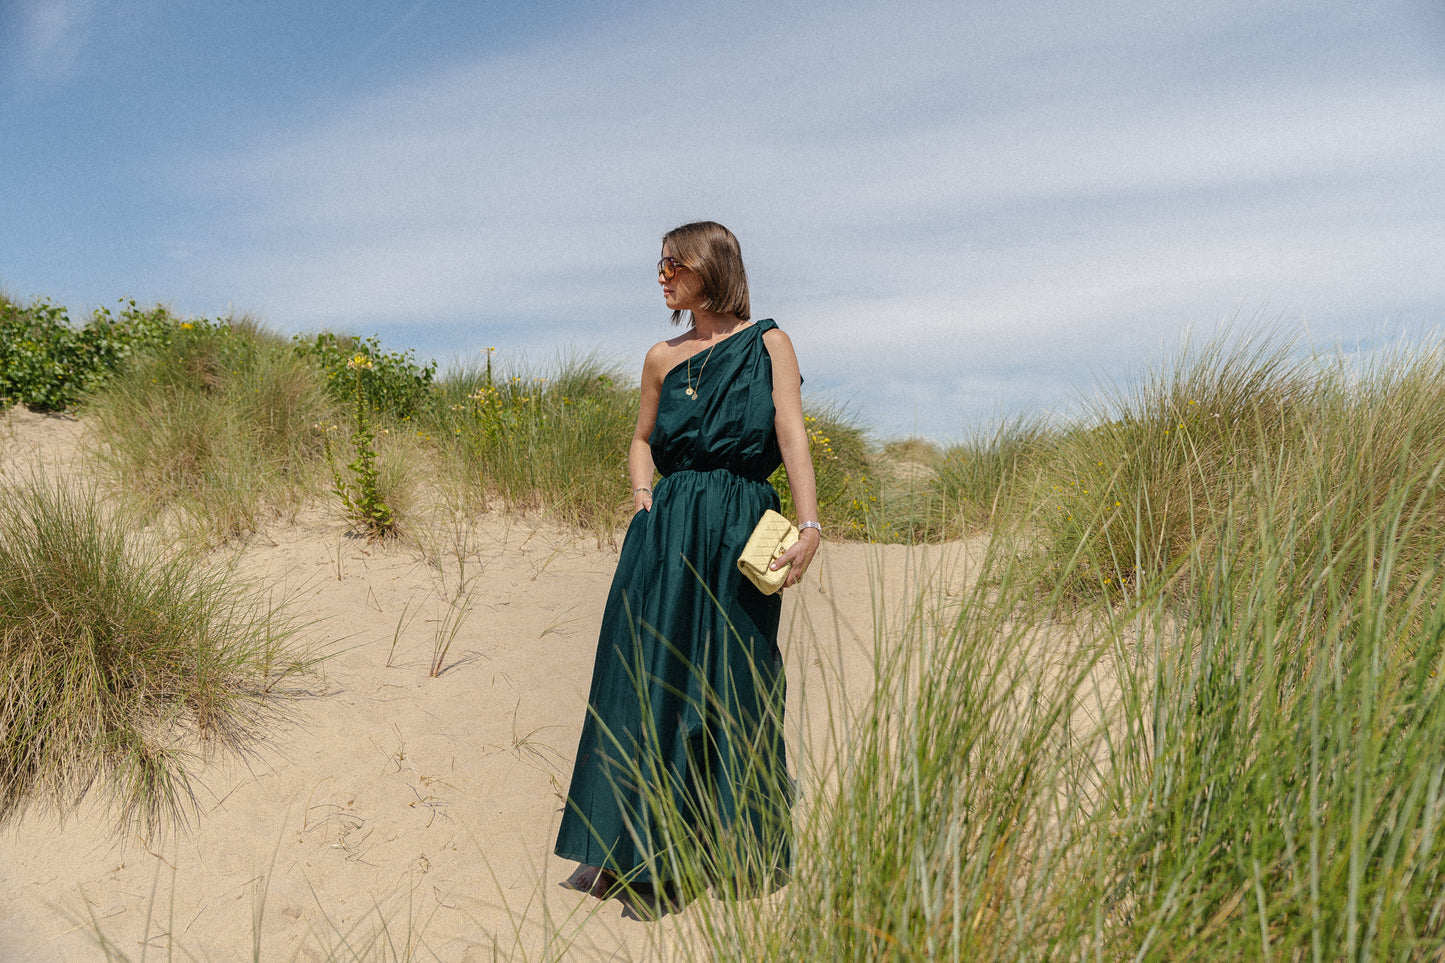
778,343
661,351
660,359
670,352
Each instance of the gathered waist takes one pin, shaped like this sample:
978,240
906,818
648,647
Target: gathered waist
720,473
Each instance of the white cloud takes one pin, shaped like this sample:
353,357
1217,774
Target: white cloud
926,199
51,35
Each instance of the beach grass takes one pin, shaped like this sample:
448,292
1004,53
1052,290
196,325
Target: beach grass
1237,430
551,441
940,814
992,473
1187,706
1276,790
123,663
1208,730
554,441
221,427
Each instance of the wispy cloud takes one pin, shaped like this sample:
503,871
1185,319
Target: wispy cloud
941,193
386,34
50,36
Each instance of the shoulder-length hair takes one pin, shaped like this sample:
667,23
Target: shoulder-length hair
711,252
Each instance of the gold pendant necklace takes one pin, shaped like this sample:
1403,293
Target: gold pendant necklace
691,391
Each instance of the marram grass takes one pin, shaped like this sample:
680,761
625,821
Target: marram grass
221,426
1277,790
1237,757
120,663
552,442
943,809
1190,707
991,473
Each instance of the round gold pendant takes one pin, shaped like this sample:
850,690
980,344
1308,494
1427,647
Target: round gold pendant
691,393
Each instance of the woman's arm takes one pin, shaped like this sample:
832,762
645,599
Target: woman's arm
793,440
639,454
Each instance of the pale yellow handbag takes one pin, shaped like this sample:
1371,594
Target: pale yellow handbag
773,536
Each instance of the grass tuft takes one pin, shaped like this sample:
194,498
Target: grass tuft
119,663
552,442
991,473
220,425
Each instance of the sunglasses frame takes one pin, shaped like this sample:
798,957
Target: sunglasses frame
668,266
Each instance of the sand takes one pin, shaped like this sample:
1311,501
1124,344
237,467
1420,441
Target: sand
396,808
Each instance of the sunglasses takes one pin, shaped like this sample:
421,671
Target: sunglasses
668,266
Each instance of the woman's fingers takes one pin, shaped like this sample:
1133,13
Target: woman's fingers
799,556
792,556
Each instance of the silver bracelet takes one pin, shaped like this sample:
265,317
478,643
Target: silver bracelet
636,490
803,525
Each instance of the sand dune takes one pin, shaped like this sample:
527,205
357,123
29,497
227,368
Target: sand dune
427,805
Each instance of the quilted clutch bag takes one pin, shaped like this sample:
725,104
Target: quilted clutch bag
773,536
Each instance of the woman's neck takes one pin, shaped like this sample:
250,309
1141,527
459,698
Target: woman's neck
710,326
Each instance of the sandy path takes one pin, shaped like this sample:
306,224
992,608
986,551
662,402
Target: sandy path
427,803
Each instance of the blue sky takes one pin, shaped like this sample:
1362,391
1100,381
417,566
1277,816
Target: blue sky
956,208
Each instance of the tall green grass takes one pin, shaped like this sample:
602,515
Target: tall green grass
1134,488
121,662
222,425
1190,709
941,813
993,473
1235,756
1278,787
553,441
1234,430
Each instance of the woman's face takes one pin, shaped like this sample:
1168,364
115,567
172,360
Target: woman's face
683,291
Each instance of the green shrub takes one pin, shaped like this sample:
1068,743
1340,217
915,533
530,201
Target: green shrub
395,386
48,364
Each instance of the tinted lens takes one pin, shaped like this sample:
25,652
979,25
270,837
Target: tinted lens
667,267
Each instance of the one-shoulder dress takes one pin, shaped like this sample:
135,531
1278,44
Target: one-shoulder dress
682,745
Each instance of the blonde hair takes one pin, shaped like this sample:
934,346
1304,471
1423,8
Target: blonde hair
711,252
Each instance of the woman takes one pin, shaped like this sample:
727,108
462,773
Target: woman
680,778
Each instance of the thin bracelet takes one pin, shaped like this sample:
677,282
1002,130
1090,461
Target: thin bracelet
803,525
648,490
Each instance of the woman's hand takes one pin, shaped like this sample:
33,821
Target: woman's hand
800,555
641,501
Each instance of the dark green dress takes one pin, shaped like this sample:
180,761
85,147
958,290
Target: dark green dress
682,746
